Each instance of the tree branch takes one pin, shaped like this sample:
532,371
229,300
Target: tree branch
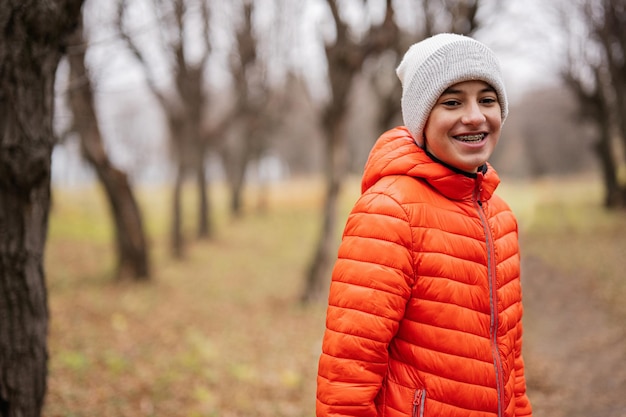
134,49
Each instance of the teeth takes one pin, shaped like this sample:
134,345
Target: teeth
471,138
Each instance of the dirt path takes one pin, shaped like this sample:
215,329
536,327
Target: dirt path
575,351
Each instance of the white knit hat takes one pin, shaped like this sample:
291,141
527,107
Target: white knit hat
431,66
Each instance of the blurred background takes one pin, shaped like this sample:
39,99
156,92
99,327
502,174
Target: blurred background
211,67
208,152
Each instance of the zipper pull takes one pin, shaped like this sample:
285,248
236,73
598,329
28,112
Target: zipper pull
417,397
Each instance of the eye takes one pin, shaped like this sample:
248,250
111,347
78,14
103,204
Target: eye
450,103
488,100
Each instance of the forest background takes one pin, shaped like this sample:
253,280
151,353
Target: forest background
205,157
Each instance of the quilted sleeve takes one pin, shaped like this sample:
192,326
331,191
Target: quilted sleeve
371,283
522,404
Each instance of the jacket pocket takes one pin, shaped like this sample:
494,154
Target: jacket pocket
419,399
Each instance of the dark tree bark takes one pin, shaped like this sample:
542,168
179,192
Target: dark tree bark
131,246
31,45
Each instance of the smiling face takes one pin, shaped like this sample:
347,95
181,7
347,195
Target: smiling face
464,125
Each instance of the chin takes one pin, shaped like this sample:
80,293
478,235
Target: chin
469,166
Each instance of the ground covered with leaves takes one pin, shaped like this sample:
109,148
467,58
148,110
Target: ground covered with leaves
221,333
574,280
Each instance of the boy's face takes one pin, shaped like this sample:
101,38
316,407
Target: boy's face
464,125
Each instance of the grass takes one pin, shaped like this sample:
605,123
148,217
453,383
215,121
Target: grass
564,223
572,231
218,334
221,333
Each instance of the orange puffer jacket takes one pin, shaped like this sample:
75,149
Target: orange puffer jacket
424,315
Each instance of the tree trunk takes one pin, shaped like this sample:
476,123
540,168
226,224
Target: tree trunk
613,195
236,182
186,104
345,61
324,254
31,45
177,241
204,207
240,160
132,252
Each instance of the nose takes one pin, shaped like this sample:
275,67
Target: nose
473,115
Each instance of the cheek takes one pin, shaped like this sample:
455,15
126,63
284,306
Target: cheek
495,119
436,124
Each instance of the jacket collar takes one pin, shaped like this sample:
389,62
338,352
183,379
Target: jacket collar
481,169
395,153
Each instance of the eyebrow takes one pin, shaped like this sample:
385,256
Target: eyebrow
451,90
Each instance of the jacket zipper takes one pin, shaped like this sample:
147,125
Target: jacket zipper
493,329
419,398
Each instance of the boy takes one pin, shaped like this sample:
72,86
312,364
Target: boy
425,307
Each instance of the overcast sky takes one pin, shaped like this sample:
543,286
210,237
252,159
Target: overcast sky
523,34
528,40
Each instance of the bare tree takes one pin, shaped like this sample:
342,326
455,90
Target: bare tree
31,45
131,246
184,108
259,105
345,56
595,71
252,95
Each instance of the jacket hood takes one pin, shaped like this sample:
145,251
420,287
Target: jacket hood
396,153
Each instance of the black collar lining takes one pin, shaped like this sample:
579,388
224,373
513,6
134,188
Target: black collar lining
482,169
